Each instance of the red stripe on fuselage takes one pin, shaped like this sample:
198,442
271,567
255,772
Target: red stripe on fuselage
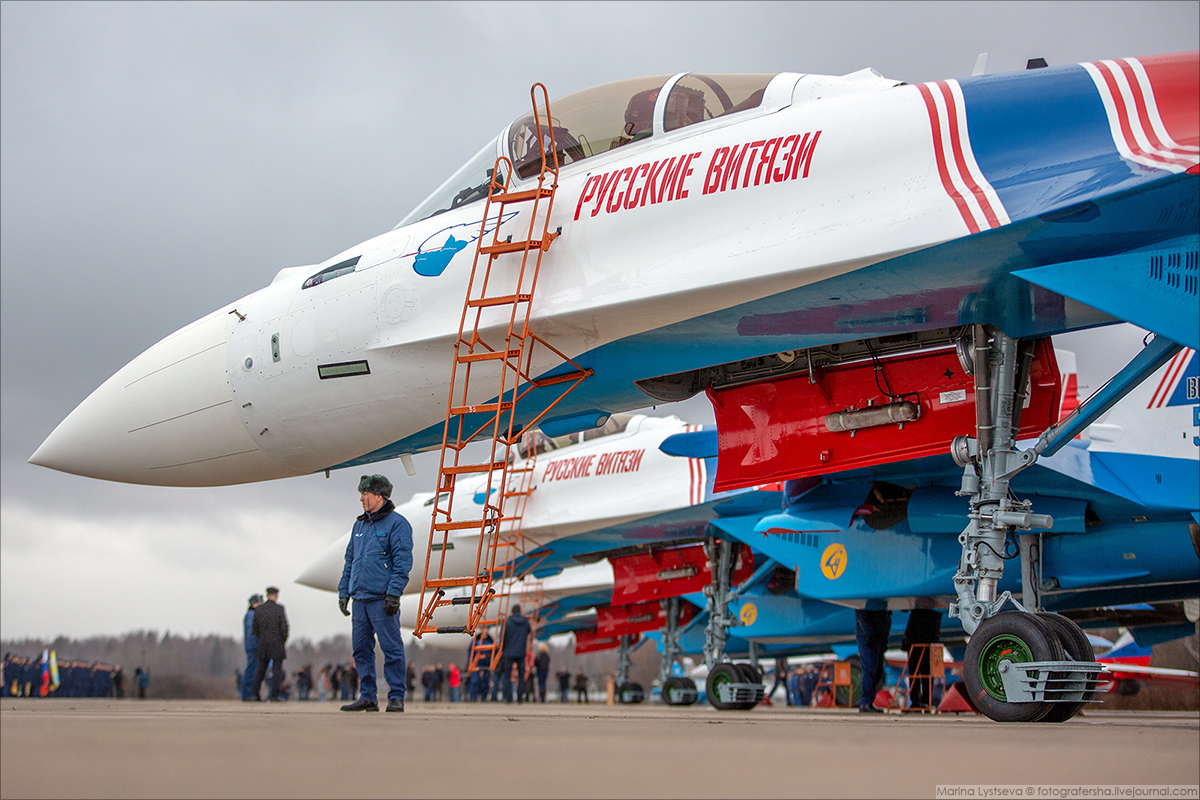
1176,82
1125,115
961,161
940,157
1143,112
1168,379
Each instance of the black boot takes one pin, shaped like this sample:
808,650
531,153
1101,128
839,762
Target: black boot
361,705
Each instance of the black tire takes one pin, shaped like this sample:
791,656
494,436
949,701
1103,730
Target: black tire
750,673
683,684
668,685
1015,636
721,675
1077,648
631,693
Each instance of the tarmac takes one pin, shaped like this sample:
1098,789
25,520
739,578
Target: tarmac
67,747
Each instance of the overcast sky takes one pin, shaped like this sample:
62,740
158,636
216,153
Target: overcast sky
159,160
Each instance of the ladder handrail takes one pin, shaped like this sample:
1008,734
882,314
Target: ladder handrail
514,358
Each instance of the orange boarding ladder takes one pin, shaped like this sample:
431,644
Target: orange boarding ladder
511,546
495,347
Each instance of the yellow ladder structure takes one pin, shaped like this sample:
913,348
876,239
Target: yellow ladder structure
498,354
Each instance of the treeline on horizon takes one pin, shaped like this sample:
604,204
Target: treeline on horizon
207,666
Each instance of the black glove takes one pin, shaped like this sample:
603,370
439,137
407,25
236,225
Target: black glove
344,605
391,605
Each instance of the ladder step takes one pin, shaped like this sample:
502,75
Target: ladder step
458,526
499,355
452,629
511,247
482,407
466,468
517,197
503,300
470,580
570,376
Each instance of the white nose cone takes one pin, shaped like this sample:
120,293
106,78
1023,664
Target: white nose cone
165,419
326,572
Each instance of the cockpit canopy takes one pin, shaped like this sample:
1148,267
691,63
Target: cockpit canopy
596,120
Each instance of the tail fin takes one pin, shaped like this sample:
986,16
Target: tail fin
1157,418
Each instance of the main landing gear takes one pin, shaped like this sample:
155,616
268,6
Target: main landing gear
1020,666
730,686
628,692
677,690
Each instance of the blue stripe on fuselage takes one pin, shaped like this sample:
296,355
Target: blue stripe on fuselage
1042,139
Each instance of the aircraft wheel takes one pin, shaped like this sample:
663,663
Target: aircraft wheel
631,693
668,685
1077,647
721,675
684,684
1014,636
750,673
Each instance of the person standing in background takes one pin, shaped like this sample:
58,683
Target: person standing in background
250,642
271,627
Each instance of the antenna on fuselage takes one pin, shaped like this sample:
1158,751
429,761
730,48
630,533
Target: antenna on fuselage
980,65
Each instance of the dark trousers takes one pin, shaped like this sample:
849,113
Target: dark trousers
371,623
274,678
871,629
506,665
249,675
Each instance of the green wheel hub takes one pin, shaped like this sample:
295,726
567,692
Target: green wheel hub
1003,647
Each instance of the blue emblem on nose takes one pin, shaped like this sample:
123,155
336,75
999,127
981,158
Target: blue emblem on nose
432,263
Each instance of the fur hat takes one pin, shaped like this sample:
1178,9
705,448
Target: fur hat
375,484
255,598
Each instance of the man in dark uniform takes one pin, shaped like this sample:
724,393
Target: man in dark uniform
871,629
270,625
378,560
516,637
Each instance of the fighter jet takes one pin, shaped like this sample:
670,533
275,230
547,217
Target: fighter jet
856,270
716,230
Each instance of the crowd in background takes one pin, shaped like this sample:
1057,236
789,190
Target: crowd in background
45,676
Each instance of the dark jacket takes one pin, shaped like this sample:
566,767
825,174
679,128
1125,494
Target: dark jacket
516,632
541,663
378,556
248,626
271,627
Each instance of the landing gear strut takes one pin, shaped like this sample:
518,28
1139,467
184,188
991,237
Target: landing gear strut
1020,666
627,691
676,690
729,686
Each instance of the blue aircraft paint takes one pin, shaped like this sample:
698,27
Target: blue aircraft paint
1042,139
1149,287
431,263
1155,482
